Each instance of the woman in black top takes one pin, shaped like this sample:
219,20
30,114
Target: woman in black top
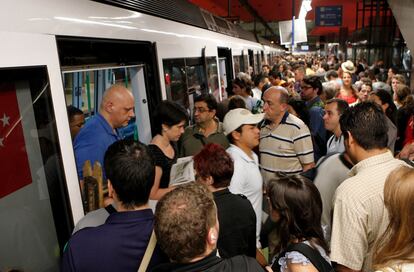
171,119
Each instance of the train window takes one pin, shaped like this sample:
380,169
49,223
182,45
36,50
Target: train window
185,78
36,219
236,64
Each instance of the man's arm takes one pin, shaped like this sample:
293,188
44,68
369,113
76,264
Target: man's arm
308,166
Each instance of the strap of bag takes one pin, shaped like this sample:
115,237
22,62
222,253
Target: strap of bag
148,253
313,255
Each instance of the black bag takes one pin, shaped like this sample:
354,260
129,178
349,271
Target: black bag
312,254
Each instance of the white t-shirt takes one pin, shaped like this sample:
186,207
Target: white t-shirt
335,145
247,180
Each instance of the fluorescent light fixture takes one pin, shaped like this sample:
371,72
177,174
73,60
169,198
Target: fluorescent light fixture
89,22
304,8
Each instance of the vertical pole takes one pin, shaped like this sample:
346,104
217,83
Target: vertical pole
293,25
228,8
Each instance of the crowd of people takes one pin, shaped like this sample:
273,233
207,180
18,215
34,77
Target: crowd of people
311,159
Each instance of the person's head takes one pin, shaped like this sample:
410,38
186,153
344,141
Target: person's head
364,90
298,108
396,244
214,166
130,171
329,90
186,223
384,100
311,87
76,120
235,102
241,86
348,67
401,92
170,120
265,69
331,75
117,106
275,77
240,127
392,72
296,205
364,128
205,107
334,108
299,73
275,103
260,80
347,79
397,79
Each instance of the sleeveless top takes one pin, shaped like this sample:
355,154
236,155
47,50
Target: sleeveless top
164,162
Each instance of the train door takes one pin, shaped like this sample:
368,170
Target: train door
88,70
225,68
252,64
39,191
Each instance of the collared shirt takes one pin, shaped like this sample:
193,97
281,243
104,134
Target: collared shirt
193,139
317,127
248,181
360,216
335,145
235,239
92,142
117,245
285,147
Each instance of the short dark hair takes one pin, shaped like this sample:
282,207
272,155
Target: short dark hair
315,82
341,105
386,98
168,113
131,170
367,124
209,99
236,102
230,136
276,74
72,111
183,218
214,161
299,204
331,73
300,107
259,78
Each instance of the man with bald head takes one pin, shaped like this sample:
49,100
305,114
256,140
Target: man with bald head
285,141
115,111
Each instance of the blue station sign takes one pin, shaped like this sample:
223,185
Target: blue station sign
328,16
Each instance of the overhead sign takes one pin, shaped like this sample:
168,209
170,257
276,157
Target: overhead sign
285,31
328,16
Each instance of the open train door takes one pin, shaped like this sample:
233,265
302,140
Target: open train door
225,68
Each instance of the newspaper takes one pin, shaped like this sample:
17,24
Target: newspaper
182,171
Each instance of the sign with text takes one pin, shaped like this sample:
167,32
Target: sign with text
328,16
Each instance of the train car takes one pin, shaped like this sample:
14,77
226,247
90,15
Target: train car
55,53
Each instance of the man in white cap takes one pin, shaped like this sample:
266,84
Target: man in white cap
240,127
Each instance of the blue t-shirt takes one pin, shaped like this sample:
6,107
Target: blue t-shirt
117,245
92,142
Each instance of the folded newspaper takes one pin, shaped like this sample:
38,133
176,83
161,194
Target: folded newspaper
182,171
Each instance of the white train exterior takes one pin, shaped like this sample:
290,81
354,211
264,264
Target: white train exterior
29,34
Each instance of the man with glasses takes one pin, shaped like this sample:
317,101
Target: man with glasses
207,128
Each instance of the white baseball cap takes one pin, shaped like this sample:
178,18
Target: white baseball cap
238,117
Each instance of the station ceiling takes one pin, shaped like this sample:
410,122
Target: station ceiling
246,12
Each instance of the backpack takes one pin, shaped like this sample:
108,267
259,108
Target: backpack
312,254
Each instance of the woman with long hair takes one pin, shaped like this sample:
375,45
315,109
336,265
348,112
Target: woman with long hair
347,91
394,251
243,87
296,205
170,119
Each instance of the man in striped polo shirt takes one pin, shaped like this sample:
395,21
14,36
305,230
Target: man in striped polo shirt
285,141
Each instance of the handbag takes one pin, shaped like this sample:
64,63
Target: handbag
148,253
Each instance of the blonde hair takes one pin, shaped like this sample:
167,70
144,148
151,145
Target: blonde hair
397,242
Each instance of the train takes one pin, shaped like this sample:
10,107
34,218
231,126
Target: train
55,53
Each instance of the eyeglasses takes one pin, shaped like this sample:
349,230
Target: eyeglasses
200,110
305,87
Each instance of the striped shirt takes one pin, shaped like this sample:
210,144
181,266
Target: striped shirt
285,148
